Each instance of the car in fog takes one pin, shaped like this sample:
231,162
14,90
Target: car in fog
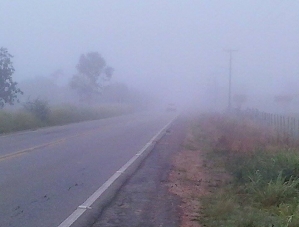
171,107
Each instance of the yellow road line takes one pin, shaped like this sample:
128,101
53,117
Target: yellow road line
30,149
27,150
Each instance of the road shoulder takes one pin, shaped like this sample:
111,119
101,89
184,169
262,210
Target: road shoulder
145,200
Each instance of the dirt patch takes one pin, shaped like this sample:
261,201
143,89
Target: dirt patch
193,175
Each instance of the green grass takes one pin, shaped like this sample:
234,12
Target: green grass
17,121
264,191
59,115
69,114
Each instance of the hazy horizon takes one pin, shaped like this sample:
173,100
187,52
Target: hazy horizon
173,49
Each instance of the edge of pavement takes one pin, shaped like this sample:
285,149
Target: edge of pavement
87,213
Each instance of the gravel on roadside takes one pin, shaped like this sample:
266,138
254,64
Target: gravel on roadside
144,200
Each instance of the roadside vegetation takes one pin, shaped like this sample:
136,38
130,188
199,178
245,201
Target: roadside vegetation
90,84
263,185
244,175
39,113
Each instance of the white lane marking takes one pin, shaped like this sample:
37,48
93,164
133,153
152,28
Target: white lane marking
79,211
84,207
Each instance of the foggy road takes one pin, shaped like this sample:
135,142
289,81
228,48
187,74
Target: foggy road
46,174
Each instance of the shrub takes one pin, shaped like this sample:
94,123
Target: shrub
39,108
16,121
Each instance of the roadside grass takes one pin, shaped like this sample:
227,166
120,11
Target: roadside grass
69,114
17,121
12,121
264,186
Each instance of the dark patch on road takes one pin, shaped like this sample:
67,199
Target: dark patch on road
17,211
144,200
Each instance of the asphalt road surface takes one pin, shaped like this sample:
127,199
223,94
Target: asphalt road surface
46,174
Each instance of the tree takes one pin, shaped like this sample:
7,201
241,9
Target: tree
8,88
93,74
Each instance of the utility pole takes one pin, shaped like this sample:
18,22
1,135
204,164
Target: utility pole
230,51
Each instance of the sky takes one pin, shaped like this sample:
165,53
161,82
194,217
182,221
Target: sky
173,48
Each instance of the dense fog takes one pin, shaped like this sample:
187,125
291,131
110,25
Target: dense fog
161,51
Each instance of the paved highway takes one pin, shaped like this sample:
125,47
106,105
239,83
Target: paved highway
46,174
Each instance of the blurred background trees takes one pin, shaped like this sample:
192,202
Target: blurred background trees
92,76
8,88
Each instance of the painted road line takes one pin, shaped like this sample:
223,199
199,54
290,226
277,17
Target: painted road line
11,155
55,142
112,183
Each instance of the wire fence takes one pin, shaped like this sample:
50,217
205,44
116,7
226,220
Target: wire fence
285,128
